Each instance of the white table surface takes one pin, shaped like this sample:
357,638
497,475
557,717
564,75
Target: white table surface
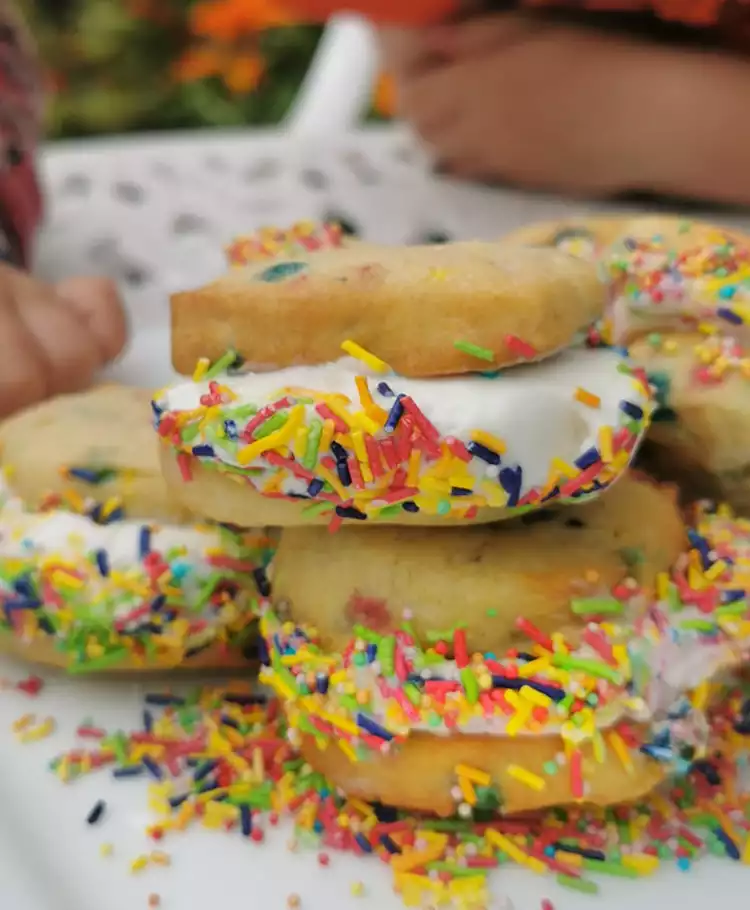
155,214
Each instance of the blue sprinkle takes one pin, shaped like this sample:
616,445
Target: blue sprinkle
153,769
730,847
96,813
148,721
228,721
477,450
21,604
230,429
390,844
371,726
363,842
164,699
144,541
102,563
339,452
91,475
314,487
321,683
510,480
631,409
587,458
350,512
246,820
394,415
282,271
342,469
261,581
460,491
372,652
158,602
156,409
128,771
203,450
727,292
385,390
409,506
659,753
176,801
730,597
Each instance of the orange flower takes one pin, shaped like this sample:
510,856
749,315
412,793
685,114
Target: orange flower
228,20
384,98
240,72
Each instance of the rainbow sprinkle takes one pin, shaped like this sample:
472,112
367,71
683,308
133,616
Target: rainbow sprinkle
224,763
273,242
107,590
380,456
630,663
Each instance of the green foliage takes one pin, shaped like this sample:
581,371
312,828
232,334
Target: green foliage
112,71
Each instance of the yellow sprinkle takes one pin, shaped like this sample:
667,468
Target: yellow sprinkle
480,778
412,472
519,719
535,697
139,863
746,853
34,734
23,722
605,444
326,437
716,570
467,790
488,440
641,862
515,853
331,478
588,398
405,862
526,777
374,363
357,889
300,443
106,850
160,858
700,696
618,746
201,368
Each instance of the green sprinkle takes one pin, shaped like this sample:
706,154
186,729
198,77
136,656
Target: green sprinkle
310,457
592,667
610,868
577,884
474,350
316,508
386,652
698,625
274,422
470,684
550,767
221,365
595,605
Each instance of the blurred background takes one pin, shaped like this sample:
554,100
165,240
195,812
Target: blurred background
131,65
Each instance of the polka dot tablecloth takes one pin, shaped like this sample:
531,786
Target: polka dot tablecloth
156,212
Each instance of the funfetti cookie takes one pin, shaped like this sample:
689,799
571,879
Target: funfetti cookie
665,273
444,719
421,311
99,568
346,442
700,435
483,577
94,446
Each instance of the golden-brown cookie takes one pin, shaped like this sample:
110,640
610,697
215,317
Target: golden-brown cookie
424,311
97,445
700,436
484,577
421,774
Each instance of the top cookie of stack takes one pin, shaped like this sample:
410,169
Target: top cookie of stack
398,384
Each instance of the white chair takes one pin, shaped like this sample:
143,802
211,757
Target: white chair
337,89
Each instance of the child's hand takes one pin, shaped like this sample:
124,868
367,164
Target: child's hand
54,338
547,105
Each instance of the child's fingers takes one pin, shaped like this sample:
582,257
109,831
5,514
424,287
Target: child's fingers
64,340
480,34
23,366
98,303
